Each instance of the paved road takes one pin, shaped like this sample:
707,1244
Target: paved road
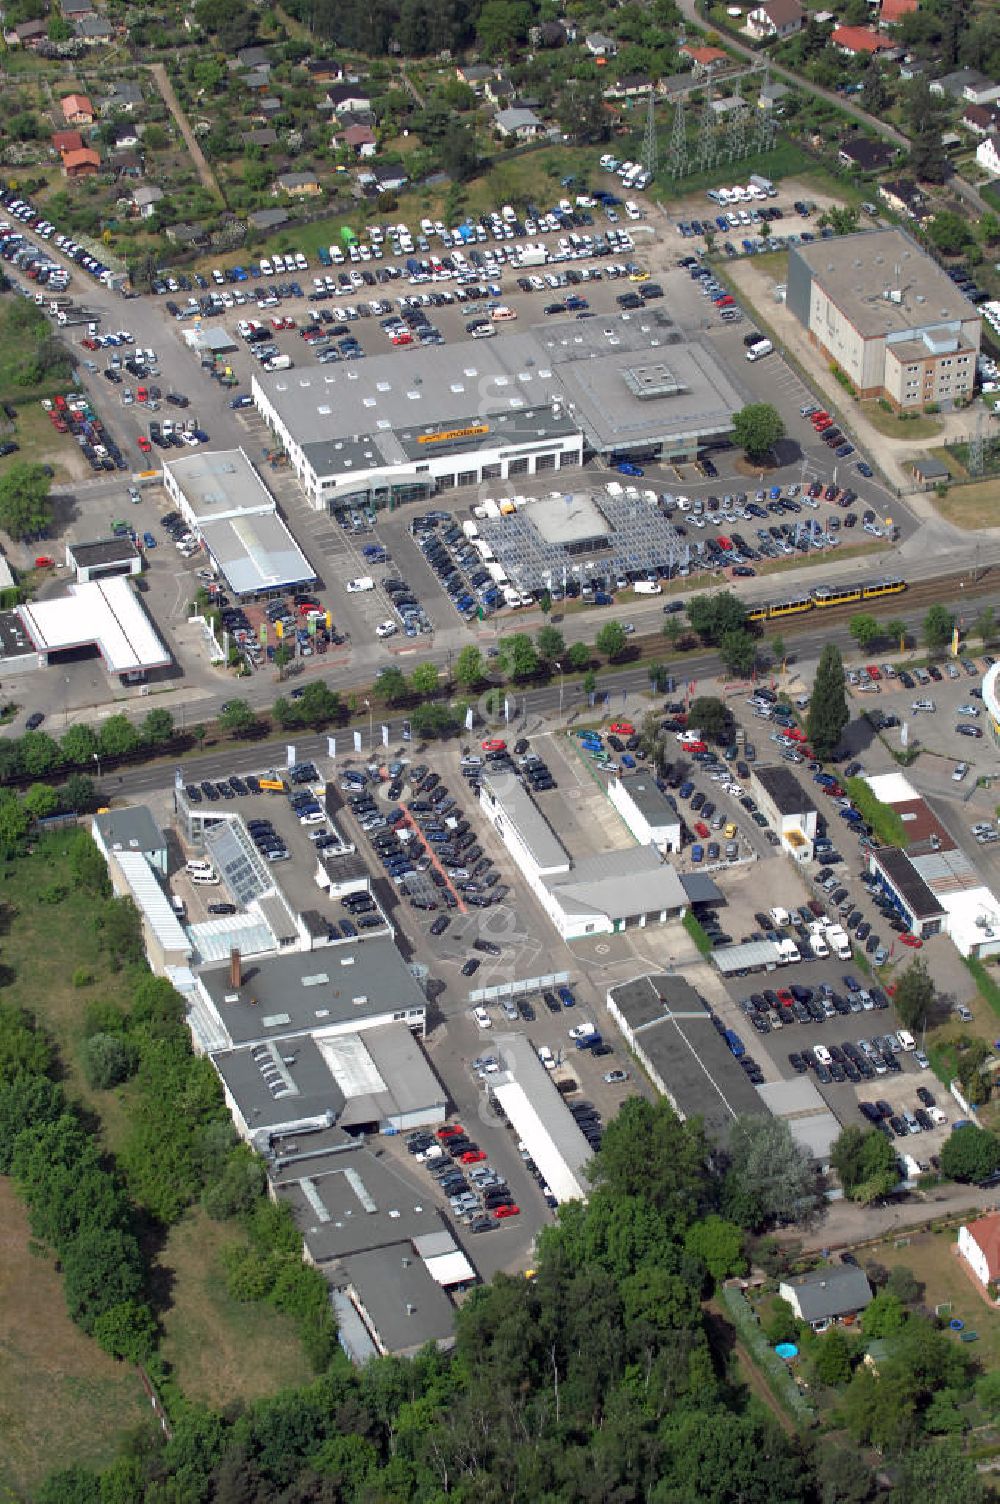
845,1224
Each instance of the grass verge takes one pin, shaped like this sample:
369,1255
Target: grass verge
919,426
973,506
697,934
61,1399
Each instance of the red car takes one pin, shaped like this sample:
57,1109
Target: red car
913,941
834,791
785,997
472,1157
494,744
874,673
44,562
144,444
450,1130
796,733
694,747
304,607
701,830
501,1212
623,728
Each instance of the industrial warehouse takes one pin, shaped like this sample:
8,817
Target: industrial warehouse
377,433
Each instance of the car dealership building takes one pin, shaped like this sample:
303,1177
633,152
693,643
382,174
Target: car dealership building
381,431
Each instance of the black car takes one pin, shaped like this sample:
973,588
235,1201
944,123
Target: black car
222,908
440,924
471,966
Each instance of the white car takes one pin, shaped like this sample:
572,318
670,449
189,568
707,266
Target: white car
614,1078
482,1018
582,1031
385,629
355,587
546,1056
927,706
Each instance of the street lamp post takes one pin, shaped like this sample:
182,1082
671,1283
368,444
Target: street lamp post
371,727
560,668
97,758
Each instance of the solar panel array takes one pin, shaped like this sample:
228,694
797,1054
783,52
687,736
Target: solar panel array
641,541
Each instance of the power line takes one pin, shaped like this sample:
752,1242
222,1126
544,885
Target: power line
679,166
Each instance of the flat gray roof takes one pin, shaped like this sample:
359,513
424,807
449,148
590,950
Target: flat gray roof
276,1087
353,1202
855,270
620,884
672,1027
256,553
219,481
102,551
609,372
130,829
516,805
521,386
403,1301
14,640
649,799
307,992
784,789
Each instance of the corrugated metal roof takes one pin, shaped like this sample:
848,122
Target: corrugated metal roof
450,1268
753,953
152,901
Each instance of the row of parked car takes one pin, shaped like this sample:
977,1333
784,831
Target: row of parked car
922,1119
22,209
72,413
477,1195
460,569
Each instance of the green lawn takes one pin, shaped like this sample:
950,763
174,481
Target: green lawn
223,1352
40,443
227,1351
61,1399
920,426
785,161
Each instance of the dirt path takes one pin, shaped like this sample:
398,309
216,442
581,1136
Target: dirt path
722,1332
173,104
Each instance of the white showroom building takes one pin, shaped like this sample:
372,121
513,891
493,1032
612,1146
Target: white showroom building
104,614
593,895
789,809
225,502
396,428
537,1113
646,811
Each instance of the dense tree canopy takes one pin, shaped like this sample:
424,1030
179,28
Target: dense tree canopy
828,713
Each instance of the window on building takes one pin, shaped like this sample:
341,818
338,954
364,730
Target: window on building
571,458
445,482
545,462
518,467
468,477
491,472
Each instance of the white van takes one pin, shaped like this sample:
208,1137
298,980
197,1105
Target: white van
647,587
196,865
208,879
906,1040
822,1054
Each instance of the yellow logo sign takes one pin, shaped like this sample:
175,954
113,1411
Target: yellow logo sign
474,432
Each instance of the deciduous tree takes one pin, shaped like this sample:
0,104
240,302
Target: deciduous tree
611,640
757,428
970,1154
25,508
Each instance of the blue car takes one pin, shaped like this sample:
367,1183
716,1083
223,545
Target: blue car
697,852
566,997
149,540
626,467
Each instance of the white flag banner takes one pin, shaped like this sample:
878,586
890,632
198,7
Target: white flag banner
904,734
506,711
289,756
385,735
331,746
357,741
468,719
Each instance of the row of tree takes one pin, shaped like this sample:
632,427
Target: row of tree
179,1147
